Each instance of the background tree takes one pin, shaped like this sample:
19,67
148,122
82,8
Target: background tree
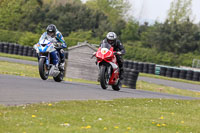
115,10
180,11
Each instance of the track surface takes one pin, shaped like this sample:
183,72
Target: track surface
16,90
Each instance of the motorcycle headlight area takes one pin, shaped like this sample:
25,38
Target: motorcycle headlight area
104,50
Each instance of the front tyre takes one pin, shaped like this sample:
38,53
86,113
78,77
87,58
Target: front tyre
104,77
60,77
117,86
43,69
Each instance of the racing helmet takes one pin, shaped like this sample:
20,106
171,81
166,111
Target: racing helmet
51,30
111,38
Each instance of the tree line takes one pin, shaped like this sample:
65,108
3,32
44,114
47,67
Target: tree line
91,21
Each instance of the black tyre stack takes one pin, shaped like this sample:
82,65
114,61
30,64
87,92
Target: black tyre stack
130,64
135,65
140,66
152,68
30,51
146,68
189,75
130,77
176,73
5,48
169,72
20,50
15,49
163,71
182,74
196,76
25,51
10,48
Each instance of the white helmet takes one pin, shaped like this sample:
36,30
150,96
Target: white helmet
111,37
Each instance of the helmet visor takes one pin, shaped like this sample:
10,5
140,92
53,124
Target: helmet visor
51,33
111,41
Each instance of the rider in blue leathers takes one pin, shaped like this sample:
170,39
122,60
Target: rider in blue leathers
52,34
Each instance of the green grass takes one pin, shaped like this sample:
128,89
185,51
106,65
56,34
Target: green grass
116,116
32,71
18,69
18,57
142,85
167,78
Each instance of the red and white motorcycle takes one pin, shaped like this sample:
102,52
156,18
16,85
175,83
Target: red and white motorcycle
108,67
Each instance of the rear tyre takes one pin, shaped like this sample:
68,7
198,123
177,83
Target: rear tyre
104,77
117,87
43,69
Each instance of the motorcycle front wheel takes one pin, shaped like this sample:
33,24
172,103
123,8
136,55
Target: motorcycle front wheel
43,69
117,87
104,77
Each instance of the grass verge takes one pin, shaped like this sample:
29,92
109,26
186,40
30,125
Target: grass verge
18,57
167,78
116,116
32,71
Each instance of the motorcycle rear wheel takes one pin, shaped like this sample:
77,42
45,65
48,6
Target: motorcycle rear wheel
103,77
43,69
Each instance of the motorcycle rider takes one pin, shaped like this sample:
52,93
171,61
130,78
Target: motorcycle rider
52,34
111,38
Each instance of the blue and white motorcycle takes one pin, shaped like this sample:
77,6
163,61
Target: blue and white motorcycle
44,48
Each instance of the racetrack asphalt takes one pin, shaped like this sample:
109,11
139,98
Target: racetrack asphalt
17,90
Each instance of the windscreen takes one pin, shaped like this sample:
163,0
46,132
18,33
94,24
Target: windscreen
106,45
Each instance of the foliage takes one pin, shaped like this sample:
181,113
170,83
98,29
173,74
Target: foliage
130,32
138,53
23,38
115,10
174,37
180,11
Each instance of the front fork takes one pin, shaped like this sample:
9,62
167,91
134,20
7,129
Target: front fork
108,72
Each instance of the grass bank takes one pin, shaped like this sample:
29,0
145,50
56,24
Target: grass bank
18,57
116,116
